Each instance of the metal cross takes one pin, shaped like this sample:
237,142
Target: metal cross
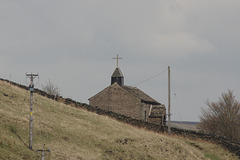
117,59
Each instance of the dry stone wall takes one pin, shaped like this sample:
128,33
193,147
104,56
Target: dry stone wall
232,146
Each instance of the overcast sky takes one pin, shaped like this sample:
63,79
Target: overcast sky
72,43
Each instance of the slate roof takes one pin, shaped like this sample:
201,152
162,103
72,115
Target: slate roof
117,73
140,94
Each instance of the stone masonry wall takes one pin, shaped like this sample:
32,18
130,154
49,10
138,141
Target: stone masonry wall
116,99
145,108
232,146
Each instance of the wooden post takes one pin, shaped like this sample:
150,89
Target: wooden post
31,88
169,102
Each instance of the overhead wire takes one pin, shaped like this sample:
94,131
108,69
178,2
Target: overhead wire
150,78
172,84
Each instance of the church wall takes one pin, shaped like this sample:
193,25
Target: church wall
116,99
123,102
100,100
145,111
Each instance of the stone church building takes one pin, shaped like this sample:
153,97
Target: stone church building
129,101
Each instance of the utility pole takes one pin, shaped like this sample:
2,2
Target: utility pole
169,102
43,151
31,88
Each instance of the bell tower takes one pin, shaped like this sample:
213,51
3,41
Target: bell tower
117,75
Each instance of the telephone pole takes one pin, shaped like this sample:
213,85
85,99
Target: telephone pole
43,151
31,88
169,102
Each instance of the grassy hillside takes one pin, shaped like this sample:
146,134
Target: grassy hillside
73,133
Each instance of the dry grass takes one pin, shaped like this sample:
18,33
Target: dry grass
73,133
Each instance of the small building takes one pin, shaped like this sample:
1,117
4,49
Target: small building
129,101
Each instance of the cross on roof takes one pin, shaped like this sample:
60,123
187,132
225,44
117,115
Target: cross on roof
117,59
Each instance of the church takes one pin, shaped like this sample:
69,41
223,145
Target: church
128,101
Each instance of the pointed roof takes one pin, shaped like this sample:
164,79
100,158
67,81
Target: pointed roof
117,73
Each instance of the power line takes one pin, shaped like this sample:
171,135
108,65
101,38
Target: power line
151,77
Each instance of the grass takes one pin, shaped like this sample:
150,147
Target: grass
212,156
73,133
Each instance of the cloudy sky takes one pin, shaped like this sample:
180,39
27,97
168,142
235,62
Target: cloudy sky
72,43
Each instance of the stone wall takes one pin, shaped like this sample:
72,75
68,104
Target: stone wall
232,146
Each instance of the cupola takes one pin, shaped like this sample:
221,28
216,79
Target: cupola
117,76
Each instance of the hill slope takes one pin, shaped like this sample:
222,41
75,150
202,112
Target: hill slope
73,133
